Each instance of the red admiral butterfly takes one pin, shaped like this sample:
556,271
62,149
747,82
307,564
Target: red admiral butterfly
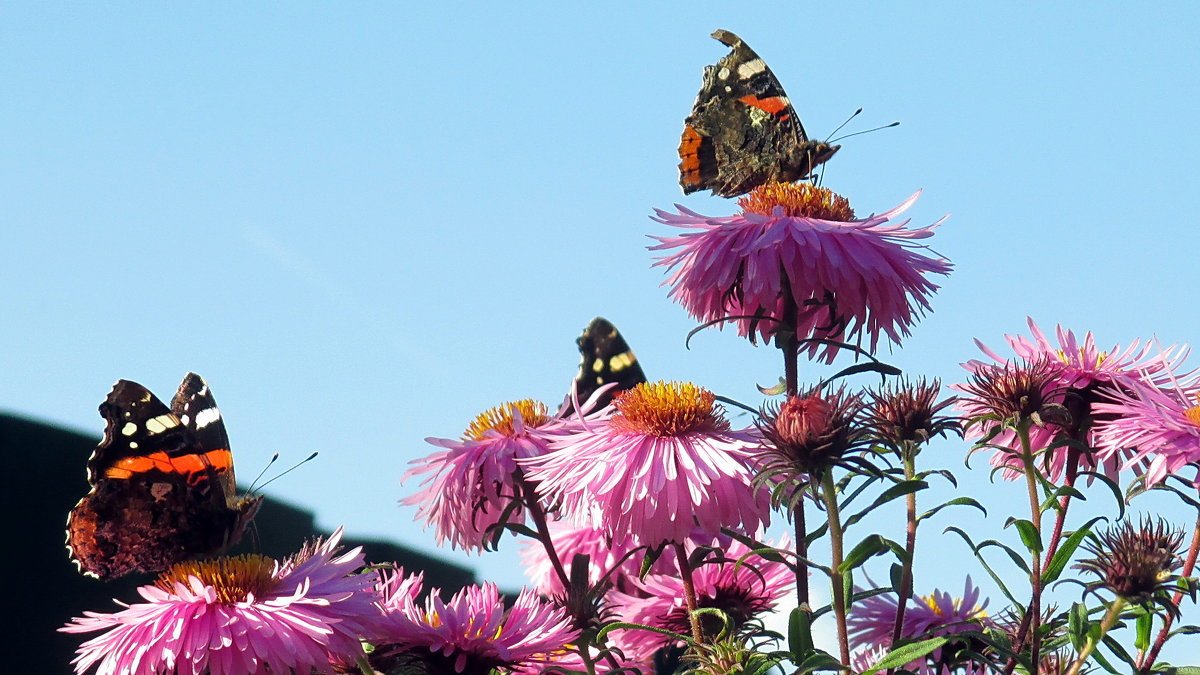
606,358
743,131
162,484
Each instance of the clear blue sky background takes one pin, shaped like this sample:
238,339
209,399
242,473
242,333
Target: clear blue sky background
364,224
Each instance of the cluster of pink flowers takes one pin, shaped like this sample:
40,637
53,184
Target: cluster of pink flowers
1128,406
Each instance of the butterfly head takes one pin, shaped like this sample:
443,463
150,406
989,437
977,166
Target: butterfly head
806,157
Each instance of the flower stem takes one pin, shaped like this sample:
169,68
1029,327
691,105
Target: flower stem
689,592
1189,565
1110,618
1035,516
364,665
837,578
908,454
538,515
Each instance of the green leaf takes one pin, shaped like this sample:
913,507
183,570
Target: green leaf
896,491
1029,535
957,501
1063,555
1078,625
988,568
800,639
870,546
1144,624
906,653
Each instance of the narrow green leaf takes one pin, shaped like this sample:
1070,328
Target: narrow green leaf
1029,535
870,546
906,653
1078,625
957,501
1144,624
1063,555
800,639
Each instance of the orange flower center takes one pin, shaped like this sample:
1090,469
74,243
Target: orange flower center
798,200
667,409
501,418
1193,414
233,578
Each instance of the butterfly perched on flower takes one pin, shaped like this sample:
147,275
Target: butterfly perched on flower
162,486
605,359
743,131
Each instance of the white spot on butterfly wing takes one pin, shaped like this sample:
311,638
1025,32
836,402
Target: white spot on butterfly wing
129,429
206,417
750,68
157,425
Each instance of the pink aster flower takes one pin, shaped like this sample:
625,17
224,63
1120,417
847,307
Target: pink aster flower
873,619
1157,425
475,480
471,634
796,254
1080,375
743,590
569,539
240,615
663,464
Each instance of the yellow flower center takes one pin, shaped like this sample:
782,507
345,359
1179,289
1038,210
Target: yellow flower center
1100,358
667,409
798,200
1193,414
500,418
233,578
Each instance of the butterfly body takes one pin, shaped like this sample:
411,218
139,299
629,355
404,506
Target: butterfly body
162,484
743,131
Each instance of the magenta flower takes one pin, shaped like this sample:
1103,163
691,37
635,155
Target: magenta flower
743,591
472,633
796,249
605,553
1080,375
240,615
873,619
475,480
664,463
1160,426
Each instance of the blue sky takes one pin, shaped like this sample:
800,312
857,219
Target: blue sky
364,224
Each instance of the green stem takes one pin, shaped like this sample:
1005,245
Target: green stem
837,578
529,498
908,455
1110,618
1035,577
364,665
689,592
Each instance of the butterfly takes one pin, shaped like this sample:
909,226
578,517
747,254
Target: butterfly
605,358
162,485
743,131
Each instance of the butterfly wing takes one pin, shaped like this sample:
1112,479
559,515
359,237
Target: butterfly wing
605,357
743,131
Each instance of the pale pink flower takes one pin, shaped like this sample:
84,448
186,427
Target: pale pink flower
743,590
798,246
664,464
1160,426
872,621
240,615
1081,375
474,481
471,634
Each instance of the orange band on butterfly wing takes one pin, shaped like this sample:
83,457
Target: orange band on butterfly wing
689,152
220,460
772,104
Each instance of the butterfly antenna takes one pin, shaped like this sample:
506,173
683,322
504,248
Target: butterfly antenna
839,127
857,133
295,466
264,470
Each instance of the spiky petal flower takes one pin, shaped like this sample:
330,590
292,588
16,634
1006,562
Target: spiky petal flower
663,464
1135,562
1083,375
471,634
796,255
741,584
873,619
807,435
1160,427
240,615
472,484
908,413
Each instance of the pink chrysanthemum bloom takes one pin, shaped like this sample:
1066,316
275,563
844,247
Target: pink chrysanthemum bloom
1160,426
664,463
232,616
475,480
743,591
1081,376
471,634
796,254
604,553
872,621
